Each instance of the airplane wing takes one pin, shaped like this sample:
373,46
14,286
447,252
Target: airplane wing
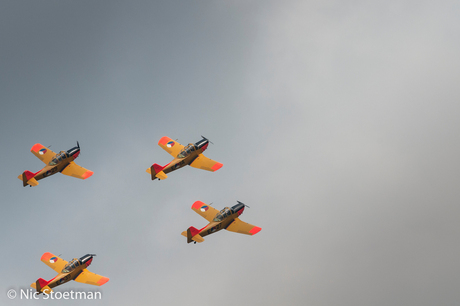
54,262
42,152
87,277
204,210
170,146
77,171
241,227
202,162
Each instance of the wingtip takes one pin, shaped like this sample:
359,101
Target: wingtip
103,280
87,174
46,256
255,230
36,147
197,205
217,166
164,140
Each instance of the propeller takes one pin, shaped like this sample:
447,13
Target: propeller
243,204
78,145
206,139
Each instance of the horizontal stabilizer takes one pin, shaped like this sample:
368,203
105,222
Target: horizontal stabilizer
47,290
32,182
161,175
197,238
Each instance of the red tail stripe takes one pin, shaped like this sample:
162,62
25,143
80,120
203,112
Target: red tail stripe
43,282
194,231
157,168
29,174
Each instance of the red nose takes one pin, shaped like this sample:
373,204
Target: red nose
76,154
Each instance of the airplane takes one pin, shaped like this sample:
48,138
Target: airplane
61,162
189,155
227,219
73,270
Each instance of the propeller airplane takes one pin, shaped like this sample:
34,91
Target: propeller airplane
227,219
67,271
61,162
189,155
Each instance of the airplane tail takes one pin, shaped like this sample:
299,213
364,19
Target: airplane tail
27,178
41,286
157,172
193,235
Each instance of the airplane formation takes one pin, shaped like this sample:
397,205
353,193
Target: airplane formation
192,155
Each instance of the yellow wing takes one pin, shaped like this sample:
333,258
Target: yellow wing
54,262
241,227
170,146
202,162
91,278
77,171
42,152
204,210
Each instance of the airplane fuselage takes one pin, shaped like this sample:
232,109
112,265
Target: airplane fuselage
178,163
63,278
49,170
226,216
214,226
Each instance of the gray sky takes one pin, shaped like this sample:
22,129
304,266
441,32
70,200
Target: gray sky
337,123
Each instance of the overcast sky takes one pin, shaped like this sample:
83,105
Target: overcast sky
337,123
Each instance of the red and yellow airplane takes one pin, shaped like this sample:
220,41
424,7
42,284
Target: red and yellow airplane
73,270
189,155
61,162
227,219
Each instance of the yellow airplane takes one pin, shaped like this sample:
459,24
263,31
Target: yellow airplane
73,270
227,219
61,162
189,155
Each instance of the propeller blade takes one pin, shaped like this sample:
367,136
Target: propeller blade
243,204
206,139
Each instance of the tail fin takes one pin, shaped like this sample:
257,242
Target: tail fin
193,235
157,172
28,174
27,178
40,288
40,283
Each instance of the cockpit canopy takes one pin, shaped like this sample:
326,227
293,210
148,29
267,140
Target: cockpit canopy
58,157
186,151
69,267
221,215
